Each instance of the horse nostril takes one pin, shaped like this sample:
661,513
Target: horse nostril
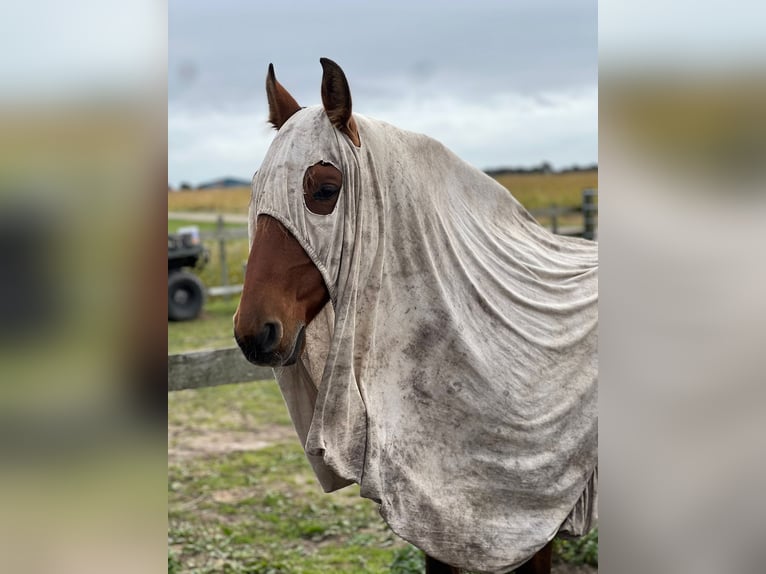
269,336
258,347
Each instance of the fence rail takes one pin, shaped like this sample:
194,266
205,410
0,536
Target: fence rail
588,209
212,367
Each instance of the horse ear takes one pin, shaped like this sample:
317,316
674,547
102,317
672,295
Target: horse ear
281,104
336,98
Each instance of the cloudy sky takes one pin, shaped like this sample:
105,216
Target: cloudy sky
500,83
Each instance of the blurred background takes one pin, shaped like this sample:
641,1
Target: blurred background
682,157
82,344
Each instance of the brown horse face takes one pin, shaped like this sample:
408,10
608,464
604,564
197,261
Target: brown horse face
282,293
283,289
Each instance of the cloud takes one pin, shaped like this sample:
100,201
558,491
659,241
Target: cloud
507,129
206,144
498,82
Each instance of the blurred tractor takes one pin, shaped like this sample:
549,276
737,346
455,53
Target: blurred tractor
186,292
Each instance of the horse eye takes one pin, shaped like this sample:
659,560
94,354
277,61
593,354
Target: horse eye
326,191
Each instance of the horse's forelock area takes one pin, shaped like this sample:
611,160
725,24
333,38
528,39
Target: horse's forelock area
455,376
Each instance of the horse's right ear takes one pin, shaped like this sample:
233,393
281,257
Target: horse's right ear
281,104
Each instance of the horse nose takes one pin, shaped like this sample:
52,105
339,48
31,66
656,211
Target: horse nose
262,343
268,338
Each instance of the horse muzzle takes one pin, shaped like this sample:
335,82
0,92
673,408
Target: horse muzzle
266,346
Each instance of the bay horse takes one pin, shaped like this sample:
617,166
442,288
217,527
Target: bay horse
353,287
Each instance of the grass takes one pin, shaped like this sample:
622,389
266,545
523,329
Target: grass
262,511
175,224
212,330
580,551
535,191
248,407
224,200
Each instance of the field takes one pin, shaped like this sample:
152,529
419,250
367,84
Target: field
241,495
532,190
230,200
541,190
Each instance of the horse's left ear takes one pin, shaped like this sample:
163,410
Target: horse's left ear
336,98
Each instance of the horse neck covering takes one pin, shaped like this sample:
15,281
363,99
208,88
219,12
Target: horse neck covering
453,375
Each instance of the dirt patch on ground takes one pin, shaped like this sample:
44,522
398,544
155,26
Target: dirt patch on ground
184,442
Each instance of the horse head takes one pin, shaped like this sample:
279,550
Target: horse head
284,289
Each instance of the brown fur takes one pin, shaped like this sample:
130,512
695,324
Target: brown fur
540,563
336,98
316,176
433,566
281,283
281,104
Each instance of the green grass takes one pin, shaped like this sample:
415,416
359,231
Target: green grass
248,407
266,504
221,200
580,551
262,510
541,190
175,224
212,330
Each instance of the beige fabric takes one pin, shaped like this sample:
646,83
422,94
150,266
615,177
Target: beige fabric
454,375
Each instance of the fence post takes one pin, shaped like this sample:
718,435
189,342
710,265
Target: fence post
554,218
222,254
589,213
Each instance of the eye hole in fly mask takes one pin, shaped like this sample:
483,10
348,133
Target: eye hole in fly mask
322,183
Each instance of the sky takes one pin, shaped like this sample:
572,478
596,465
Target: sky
499,83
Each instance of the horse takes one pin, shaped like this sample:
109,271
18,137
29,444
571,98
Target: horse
433,343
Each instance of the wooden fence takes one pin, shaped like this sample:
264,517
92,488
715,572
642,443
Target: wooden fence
588,211
210,368
221,236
